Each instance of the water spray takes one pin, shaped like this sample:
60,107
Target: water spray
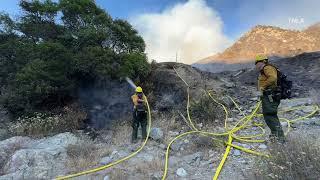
131,83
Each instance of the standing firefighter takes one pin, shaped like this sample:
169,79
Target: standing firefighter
139,114
268,86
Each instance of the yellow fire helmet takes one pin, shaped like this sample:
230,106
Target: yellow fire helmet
261,58
139,89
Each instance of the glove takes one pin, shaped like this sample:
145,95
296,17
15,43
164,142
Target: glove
258,94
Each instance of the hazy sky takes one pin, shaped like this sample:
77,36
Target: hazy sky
199,28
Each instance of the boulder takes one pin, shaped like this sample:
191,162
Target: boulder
9,146
308,109
106,160
181,172
156,134
177,145
196,157
262,146
236,152
37,159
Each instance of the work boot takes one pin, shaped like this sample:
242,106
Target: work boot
134,141
272,138
281,140
143,139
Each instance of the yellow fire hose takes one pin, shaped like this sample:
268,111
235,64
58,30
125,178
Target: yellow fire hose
224,158
230,133
241,124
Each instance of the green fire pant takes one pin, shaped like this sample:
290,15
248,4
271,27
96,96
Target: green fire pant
270,114
139,118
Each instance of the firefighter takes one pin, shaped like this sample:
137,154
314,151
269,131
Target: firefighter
267,86
139,114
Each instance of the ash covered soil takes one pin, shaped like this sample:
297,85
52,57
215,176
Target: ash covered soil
192,157
303,70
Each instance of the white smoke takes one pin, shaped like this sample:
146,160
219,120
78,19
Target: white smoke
193,30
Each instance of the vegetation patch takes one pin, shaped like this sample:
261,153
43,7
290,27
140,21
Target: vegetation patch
297,159
41,124
55,47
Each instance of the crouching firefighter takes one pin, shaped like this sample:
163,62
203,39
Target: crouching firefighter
270,96
139,114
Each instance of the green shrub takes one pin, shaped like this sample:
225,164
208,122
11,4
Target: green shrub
135,65
43,61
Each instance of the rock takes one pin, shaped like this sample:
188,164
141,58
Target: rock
284,123
98,107
263,146
115,152
106,160
156,176
198,156
3,134
156,134
242,161
220,129
121,153
42,159
166,102
181,172
145,157
246,146
106,178
242,145
162,146
9,146
212,153
173,133
59,141
186,141
175,161
177,145
299,113
227,101
229,85
236,152
308,109
254,99
230,119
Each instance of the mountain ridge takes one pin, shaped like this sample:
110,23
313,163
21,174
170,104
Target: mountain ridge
271,41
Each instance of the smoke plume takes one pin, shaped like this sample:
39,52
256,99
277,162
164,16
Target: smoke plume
192,30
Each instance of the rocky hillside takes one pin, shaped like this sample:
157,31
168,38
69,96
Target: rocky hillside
303,70
314,31
269,40
194,157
